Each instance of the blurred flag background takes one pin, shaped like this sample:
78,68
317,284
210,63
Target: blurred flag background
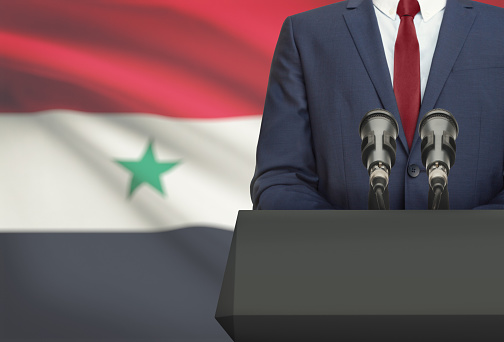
131,115
127,140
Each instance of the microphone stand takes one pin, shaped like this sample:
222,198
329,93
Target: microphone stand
378,200
378,196
438,200
378,130
438,130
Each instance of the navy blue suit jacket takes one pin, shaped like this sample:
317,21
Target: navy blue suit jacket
329,69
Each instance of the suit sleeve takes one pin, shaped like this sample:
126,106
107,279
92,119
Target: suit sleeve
286,175
496,203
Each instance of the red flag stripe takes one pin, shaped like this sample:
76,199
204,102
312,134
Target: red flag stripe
197,58
129,82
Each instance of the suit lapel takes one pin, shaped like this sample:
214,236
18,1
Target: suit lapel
361,21
457,22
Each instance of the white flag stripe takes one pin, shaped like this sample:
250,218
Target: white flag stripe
59,171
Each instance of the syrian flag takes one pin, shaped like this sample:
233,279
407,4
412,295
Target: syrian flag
129,115
127,144
127,137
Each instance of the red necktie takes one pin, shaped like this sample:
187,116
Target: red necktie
407,68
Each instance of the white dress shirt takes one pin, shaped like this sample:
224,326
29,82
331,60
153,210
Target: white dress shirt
427,24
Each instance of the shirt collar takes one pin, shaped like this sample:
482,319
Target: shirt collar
428,8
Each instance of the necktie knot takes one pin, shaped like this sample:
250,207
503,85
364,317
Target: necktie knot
408,7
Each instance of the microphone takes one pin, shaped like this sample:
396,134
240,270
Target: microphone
378,130
438,130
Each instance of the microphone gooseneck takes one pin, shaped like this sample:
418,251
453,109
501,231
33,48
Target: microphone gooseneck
378,130
438,130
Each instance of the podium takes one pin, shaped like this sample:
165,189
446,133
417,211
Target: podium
365,276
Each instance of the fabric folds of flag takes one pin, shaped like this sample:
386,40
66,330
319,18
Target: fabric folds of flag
98,98
127,138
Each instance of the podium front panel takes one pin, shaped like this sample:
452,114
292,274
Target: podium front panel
357,275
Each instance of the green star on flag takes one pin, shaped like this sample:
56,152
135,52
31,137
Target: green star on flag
147,170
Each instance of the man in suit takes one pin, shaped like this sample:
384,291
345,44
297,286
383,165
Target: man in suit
333,64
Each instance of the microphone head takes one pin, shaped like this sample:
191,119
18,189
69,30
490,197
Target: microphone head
380,118
438,130
378,130
438,120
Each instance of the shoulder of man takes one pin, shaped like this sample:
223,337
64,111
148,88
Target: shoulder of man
483,8
491,16
328,12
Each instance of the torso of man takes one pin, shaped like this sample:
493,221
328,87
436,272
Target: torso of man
334,64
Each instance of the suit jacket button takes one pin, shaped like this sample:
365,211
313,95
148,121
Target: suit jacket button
413,170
